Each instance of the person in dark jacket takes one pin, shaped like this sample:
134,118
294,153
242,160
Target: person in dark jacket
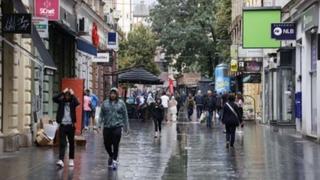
211,106
231,118
199,103
190,106
66,118
157,111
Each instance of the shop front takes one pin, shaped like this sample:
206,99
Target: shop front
279,88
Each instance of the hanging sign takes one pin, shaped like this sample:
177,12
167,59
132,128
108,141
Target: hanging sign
102,58
47,8
41,25
284,31
16,23
113,41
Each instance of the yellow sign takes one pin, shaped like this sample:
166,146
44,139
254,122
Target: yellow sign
234,66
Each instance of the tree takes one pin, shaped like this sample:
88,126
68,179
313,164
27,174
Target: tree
139,49
192,32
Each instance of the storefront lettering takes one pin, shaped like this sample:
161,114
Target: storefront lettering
47,12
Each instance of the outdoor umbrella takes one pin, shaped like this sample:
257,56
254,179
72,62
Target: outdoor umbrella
138,75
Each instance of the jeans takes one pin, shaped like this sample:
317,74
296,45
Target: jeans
199,110
157,124
112,137
66,131
231,134
87,115
190,112
209,119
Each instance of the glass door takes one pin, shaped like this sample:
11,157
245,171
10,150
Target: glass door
286,95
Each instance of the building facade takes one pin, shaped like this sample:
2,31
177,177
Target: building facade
33,67
305,14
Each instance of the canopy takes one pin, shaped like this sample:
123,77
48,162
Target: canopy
138,75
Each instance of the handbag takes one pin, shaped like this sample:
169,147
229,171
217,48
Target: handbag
233,111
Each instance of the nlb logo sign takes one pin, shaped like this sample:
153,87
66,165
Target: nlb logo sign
283,31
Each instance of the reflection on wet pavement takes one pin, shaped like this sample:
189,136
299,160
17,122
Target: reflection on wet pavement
193,153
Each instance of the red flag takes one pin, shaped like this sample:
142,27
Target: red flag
171,88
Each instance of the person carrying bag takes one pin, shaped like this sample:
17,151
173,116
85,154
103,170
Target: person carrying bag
231,119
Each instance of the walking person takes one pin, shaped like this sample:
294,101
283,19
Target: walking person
190,106
165,103
231,119
66,118
87,103
211,106
113,118
173,109
157,112
199,103
93,105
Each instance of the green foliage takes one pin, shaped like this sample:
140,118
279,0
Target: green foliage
139,49
194,33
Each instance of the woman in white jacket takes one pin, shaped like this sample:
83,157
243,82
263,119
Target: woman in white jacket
173,109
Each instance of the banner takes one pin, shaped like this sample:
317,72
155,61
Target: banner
47,8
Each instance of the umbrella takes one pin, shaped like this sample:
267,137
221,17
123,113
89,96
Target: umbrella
138,75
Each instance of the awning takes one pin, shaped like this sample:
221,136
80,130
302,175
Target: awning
138,75
86,47
37,41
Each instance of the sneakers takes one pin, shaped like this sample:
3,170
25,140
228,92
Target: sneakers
156,134
71,163
115,165
60,163
110,163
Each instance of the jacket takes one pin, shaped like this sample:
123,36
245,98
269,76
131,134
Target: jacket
157,111
228,117
114,114
211,103
199,100
59,99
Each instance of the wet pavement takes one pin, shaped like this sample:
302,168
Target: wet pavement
185,151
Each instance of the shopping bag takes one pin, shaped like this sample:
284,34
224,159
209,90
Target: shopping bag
97,115
203,117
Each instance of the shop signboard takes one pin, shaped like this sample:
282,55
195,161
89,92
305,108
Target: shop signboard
102,58
257,38
310,18
250,66
250,53
16,23
47,8
283,31
41,25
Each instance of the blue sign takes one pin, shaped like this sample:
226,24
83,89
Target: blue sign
112,38
298,105
283,31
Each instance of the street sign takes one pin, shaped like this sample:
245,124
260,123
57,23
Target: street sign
41,25
16,23
113,40
102,58
284,31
